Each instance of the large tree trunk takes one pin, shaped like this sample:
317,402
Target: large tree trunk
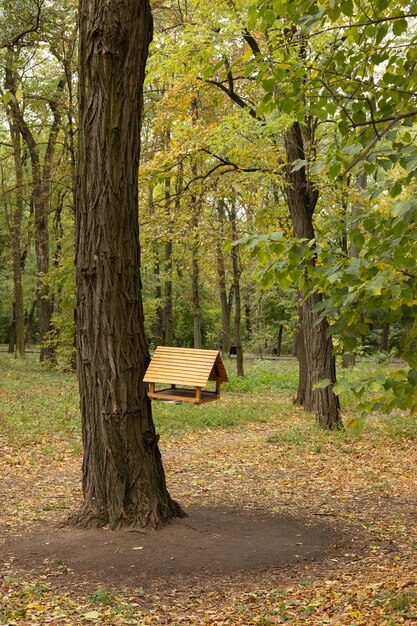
123,477
320,362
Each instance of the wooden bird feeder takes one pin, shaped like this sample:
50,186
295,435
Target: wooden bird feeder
187,371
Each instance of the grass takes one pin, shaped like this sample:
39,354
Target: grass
39,402
263,376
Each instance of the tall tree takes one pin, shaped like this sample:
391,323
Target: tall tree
123,477
15,234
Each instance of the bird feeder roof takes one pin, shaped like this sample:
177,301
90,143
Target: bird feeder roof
185,366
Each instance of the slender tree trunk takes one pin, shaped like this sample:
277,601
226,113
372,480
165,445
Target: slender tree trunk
349,359
384,345
300,353
236,282
168,334
320,362
279,339
15,239
248,321
195,290
41,184
226,301
225,298
29,322
159,315
195,268
123,477
12,332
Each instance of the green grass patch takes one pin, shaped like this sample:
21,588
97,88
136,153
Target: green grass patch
177,418
262,376
39,403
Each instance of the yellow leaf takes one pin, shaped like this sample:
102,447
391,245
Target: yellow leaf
356,615
92,615
35,607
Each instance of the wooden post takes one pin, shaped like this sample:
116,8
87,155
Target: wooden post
198,395
152,388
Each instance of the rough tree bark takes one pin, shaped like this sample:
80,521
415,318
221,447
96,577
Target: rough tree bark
318,349
123,477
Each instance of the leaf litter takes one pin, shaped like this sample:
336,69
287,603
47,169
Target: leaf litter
363,483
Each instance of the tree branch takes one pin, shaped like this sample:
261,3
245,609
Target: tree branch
31,29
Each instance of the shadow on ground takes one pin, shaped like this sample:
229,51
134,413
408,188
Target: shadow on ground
209,542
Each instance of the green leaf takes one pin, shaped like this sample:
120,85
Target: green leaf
369,224
359,117
270,17
399,26
298,164
412,377
381,32
335,170
322,384
357,238
347,7
269,85
287,106
284,281
396,189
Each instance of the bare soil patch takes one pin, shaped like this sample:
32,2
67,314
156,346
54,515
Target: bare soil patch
210,541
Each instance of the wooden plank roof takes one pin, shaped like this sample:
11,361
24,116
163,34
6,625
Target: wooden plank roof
185,366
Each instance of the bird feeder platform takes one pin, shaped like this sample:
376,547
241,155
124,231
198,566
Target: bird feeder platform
187,371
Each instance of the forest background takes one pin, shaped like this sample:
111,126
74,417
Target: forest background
288,127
